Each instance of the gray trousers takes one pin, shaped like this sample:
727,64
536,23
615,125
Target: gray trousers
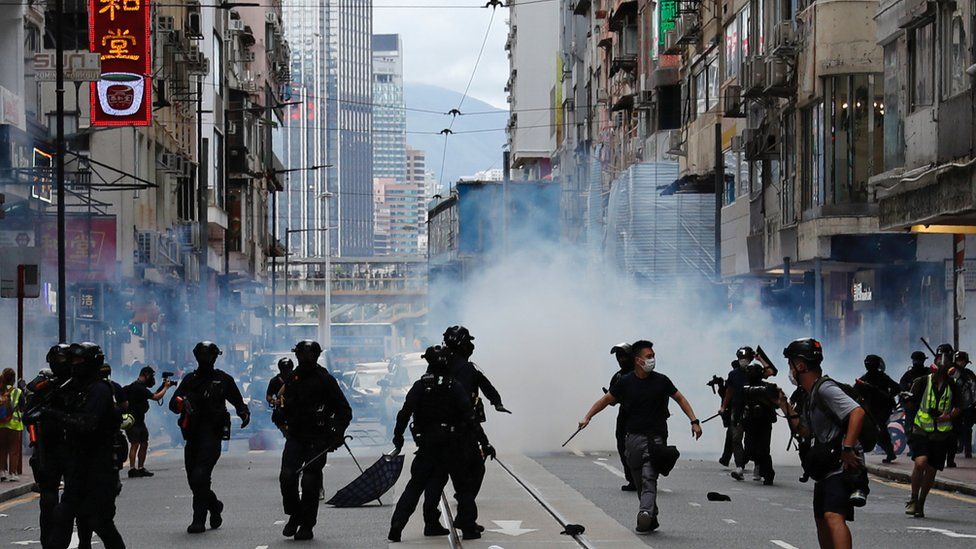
644,475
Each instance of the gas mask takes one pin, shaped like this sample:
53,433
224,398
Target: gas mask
743,362
151,382
648,364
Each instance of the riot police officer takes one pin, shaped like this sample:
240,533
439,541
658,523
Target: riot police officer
91,422
759,402
204,422
625,361
316,415
443,424
47,436
732,408
878,392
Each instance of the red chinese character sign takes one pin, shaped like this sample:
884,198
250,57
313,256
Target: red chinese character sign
118,30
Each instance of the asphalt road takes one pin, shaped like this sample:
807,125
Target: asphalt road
760,516
154,512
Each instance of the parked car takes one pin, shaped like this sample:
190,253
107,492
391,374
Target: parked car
364,390
404,370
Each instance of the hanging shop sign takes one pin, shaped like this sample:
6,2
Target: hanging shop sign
119,31
863,290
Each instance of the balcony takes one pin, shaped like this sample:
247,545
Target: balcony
625,62
581,7
621,11
605,40
622,91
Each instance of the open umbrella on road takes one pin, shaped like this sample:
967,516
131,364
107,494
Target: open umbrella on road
375,481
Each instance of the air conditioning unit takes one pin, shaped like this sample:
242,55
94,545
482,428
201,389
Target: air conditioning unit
172,38
671,43
784,39
778,82
736,143
754,76
675,143
733,102
165,23
235,25
146,248
687,26
194,25
168,162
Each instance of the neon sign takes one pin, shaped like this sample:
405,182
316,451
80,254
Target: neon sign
119,31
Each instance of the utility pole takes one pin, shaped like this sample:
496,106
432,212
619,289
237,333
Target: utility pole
59,169
506,179
202,200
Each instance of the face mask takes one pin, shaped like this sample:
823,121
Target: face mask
648,364
792,377
151,382
743,362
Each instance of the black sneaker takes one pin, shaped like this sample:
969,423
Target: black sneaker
644,523
394,535
470,534
303,534
292,526
196,528
628,487
433,530
144,473
951,464
737,474
215,518
134,473
724,462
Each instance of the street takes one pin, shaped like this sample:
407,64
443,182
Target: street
581,488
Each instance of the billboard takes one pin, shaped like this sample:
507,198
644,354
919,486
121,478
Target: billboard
119,31
89,247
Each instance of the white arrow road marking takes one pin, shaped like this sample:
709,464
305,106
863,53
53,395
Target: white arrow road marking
943,531
511,528
783,544
279,522
611,468
665,490
729,521
693,504
29,542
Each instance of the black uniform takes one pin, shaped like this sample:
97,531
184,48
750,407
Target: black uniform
757,417
736,382
316,414
50,456
879,392
620,431
91,480
203,422
444,426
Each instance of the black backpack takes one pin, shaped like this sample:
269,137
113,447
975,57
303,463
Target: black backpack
869,431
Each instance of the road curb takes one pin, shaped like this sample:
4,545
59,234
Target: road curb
906,477
17,491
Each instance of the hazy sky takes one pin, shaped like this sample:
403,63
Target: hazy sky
441,45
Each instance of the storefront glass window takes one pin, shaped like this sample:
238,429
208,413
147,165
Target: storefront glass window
856,137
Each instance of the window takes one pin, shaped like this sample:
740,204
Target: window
856,138
731,51
731,173
789,168
894,125
217,66
813,157
218,165
706,86
955,58
921,50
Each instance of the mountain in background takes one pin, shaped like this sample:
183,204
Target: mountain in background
467,153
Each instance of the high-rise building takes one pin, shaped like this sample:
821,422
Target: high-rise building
329,130
389,133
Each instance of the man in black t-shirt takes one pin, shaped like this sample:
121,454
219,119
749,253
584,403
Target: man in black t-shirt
139,394
645,393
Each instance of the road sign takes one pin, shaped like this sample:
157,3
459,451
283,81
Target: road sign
80,66
10,259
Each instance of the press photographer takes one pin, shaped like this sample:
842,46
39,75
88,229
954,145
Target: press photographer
139,393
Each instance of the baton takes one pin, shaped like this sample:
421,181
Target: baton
929,347
572,437
711,418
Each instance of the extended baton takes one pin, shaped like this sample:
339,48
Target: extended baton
572,437
711,418
934,354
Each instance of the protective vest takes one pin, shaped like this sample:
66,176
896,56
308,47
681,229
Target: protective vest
930,409
434,419
15,422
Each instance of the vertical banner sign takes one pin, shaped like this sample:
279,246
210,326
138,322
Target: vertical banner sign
668,12
119,31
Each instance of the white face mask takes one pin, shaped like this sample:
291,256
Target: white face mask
793,378
648,364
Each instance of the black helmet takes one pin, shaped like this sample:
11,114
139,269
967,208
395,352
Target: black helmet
754,372
962,355
874,362
944,349
59,357
86,359
285,364
620,348
807,348
745,352
455,336
919,356
206,348
307,346
437,357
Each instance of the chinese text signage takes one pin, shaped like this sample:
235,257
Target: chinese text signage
118,30
668,12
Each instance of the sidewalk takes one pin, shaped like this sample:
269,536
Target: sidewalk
11,490
961,479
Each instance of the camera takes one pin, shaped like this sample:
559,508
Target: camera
717,384
167,376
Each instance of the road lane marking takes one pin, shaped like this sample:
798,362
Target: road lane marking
666,490
729,521
693,504
261,547
158,453
783,544
611,468
578,453
279,522
511,528
943,531
908,488
15,502
256,451
775,504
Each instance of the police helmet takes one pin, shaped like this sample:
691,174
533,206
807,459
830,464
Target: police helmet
455,336
86,358
206,348
745,352
962,356
285,364
437,356
919,356
620,348
306,346
808,349
944,349
874,362
59,357
754,372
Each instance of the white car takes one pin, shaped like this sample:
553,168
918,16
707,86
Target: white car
365,392
404,370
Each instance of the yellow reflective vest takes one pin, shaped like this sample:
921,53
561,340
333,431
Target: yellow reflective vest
931,409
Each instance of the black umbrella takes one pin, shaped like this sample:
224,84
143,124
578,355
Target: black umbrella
375,481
